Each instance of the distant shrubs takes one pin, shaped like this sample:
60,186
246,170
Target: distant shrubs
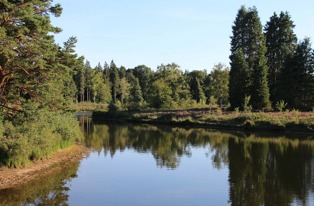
281,105
36,135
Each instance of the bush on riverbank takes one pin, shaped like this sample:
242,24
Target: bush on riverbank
35,135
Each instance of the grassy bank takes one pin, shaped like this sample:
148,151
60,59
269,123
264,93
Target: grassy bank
36,135
289,121
87,106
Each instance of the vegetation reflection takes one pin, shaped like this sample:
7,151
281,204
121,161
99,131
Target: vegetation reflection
48,190
263,169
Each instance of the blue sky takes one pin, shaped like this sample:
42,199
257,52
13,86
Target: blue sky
194,34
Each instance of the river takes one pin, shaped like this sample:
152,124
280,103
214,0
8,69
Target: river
136,164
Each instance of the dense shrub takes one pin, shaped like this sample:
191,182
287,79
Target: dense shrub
36,135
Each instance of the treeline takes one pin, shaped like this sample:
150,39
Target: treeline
270,70
166,88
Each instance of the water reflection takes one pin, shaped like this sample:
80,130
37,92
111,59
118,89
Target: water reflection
166,144
263,169
48,190
268,172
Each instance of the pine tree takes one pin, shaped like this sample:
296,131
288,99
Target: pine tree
27,54
68,84
280,42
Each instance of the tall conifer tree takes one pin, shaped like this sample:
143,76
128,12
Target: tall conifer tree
238,79
297,77
280,42
115,80
248,36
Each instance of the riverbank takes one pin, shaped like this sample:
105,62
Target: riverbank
293,121
10,178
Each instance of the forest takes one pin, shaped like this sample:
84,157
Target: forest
269,70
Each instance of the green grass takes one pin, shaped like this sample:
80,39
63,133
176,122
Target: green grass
87,106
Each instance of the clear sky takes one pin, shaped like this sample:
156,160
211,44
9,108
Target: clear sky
195,34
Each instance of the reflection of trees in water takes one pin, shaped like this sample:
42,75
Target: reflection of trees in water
262,170
48,190
270,171
166,144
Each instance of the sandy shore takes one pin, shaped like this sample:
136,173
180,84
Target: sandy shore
10,178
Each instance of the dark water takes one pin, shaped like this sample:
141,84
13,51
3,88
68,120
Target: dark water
159,165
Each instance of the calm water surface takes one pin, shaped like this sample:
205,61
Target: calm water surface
159,165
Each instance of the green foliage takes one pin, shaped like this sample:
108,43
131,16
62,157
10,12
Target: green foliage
297,78
212,102
280,106
246,104
248,51
36,135
144,75
281,42
124,89
238,79
28,53
219,84
115,80
114,106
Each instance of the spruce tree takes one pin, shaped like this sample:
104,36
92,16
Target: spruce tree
238,38
257,62
248,36
297,77
238,79
115,80
280,42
